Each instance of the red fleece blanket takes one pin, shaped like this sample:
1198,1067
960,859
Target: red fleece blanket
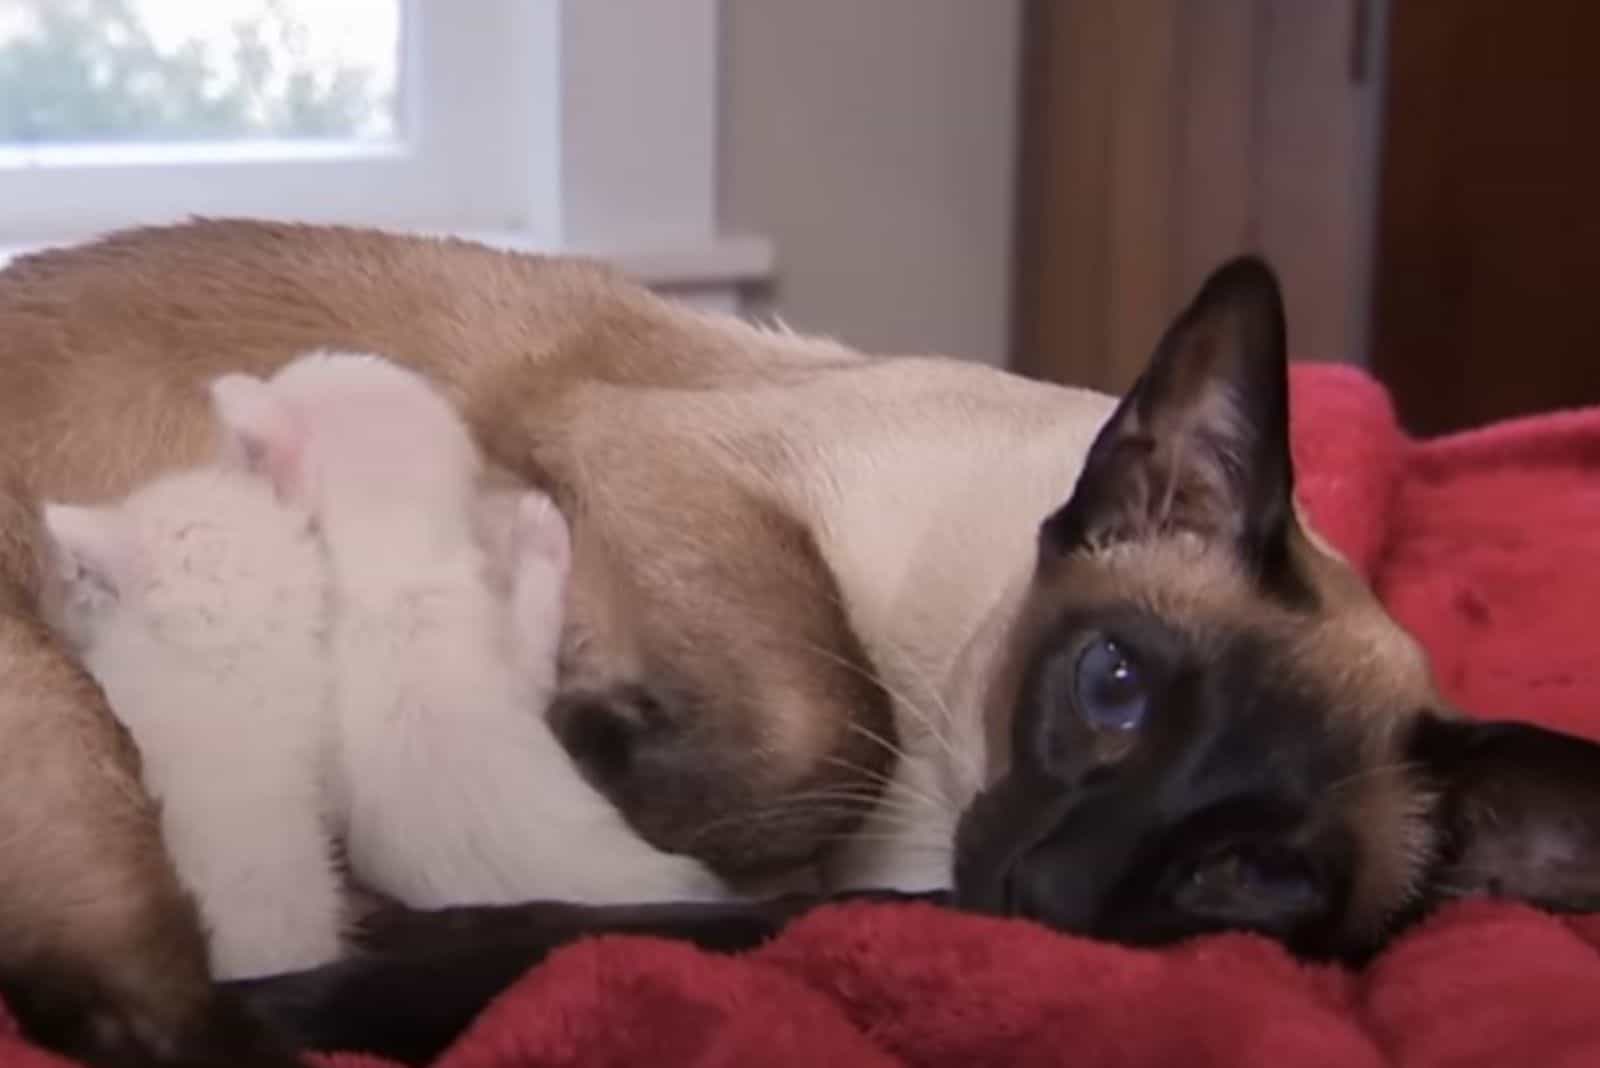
1484,545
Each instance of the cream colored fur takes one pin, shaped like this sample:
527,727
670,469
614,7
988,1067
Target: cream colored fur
198,605
926,489
451,788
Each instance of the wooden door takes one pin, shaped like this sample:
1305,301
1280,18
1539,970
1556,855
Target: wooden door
1487,297
1160,137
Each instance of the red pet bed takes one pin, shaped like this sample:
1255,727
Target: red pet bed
1484,544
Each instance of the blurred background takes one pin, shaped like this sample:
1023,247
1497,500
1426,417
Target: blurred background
1036,184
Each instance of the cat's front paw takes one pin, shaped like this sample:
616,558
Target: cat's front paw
541,553
541,534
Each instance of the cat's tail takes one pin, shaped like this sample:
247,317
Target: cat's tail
424,975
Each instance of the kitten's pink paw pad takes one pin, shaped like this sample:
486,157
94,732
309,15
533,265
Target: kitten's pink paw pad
542,531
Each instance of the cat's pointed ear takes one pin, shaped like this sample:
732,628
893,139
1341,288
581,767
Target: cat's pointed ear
1516,814
259,433
88,557
1201,442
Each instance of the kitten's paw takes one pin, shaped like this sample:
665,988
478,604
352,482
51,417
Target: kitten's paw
542,535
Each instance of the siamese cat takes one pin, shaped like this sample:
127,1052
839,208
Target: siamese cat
451,788
907,622
1198,720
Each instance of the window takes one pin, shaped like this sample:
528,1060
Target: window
533,123
124,73
368,111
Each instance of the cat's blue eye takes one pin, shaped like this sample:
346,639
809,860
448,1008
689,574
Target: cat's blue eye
1109,689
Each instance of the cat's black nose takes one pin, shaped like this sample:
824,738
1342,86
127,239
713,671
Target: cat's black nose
1120,866
1022,850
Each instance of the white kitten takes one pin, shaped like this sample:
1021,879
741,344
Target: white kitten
454,788
198,605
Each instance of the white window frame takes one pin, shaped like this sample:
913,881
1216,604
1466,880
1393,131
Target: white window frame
550,125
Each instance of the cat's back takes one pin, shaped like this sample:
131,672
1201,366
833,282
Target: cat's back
223,563
105,348
392,472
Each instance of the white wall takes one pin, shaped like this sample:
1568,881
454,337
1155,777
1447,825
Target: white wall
874,142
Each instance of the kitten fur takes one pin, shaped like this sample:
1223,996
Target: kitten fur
453,788
198,604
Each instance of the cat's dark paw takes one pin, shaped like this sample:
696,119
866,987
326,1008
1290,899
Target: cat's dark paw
76,1019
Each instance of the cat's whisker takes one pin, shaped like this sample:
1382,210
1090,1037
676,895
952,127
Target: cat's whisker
884,784
1365,774
938,801
869,802
896,790
930,845
939,729
778,815
904,700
